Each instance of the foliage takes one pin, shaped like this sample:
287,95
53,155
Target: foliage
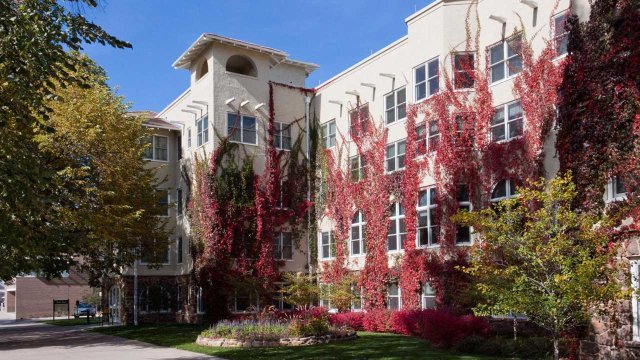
538,257
300,290
353,320
377,320
599,110
248,330
525,348
312,326
35,63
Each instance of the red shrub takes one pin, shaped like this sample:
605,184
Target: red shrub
354,320
318,312
404,321
377,321
443,329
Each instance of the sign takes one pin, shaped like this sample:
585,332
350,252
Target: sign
61,304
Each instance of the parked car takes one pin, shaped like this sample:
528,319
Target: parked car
83,310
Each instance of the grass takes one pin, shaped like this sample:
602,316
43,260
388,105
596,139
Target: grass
72,321
368,346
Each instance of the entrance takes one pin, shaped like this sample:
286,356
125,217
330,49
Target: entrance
114,305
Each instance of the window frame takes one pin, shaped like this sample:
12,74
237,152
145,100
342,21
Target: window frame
469,205
398,296
179,251
278,137
510,190
507,122
363,119
330,245
241,128
634,263
202,130
188,138
397,157
427,78
154,155
457,71
179,203
429,208
612,190
397,218
199,301
279,246
433,138
396,106
424,295
361,224
506,59
327,135
168,202
360,169
564,34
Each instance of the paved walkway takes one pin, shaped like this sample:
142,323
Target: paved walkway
27,340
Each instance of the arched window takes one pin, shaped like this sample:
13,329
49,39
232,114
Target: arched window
357,234
241,64
504,189
202,70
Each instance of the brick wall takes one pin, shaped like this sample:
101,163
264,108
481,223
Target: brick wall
11,301
35,295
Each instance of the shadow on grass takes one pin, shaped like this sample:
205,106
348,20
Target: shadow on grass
72,321
368,346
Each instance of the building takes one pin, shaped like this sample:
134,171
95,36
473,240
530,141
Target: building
229,89
31,296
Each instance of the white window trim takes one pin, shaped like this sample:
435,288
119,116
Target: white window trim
396,107
326,140
612,196
252,293
431,205
321,246
188,138
426,79
635,285
179,247
424,296
199,301
431,151
242,116
510,192
168,213
359,110
399,296
396,156
566,13
280,239
504,60
397,218
204,131
505,123
361,169
361,224
278,135
470,205
154,157
455,71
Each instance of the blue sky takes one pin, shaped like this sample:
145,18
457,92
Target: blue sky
332,33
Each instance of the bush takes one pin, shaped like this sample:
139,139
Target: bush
352,320
301,327
526,348
377,321
405,321
247,330
443,329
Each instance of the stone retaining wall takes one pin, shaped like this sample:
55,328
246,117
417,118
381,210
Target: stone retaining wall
303,341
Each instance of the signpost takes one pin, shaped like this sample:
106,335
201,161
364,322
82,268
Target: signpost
60,302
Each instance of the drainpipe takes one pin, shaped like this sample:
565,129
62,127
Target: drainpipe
307,103
135,292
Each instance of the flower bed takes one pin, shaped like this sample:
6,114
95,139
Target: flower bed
293,341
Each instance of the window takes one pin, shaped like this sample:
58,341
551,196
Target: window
395,156
560,33
463,74
395,106
504,189
154,255
463,233
357,168
358,228
325,296
397,228
179,246
434,136
356,303
616,189
278,299
158,148
282,136
427,79
505,58
179,202
202,125
428,223
155,298
421,139
199,301
509,126
359,121
283,246
240,64
428,297
635,284
179,147
245,299
242,129
188,138
327,247
164,202
393,297
329,134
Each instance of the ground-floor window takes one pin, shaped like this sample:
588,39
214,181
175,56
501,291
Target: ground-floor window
635,283
428,297
245,299
279,301
199,301
155,298
356,303
393,297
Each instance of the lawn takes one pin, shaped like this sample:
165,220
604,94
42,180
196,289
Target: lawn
72,321
368,346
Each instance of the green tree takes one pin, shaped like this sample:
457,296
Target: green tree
34,60
301,290
108,200
538,257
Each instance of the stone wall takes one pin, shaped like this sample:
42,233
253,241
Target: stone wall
611,337
302,341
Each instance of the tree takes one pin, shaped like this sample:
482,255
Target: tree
536,256
300,291
34,60
106,198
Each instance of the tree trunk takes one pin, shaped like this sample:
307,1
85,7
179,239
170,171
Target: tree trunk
556,350
515,327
